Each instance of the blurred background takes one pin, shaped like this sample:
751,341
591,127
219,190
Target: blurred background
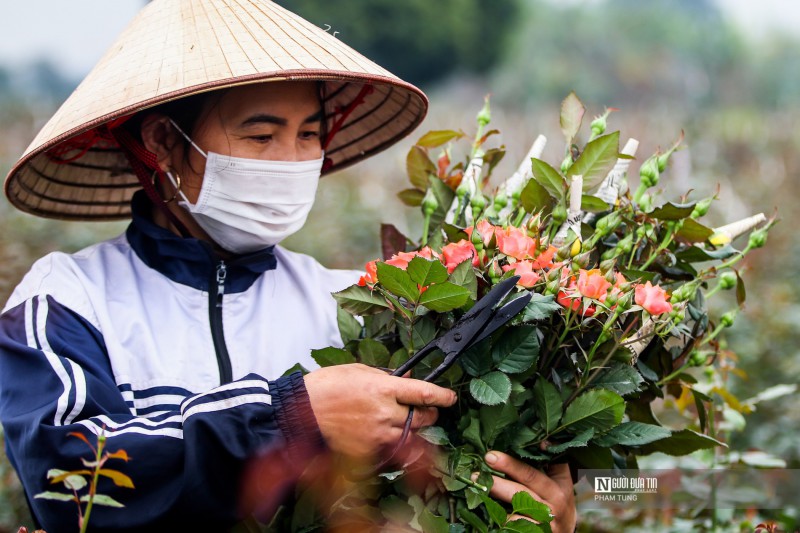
726,72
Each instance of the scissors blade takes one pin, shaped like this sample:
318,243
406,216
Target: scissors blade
502,316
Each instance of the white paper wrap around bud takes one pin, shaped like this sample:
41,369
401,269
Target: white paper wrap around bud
609,190
641,339
574,213
735,229
470,180
518,179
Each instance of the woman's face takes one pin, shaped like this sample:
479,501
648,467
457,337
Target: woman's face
278,121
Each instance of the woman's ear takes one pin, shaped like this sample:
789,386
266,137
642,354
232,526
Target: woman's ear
159,137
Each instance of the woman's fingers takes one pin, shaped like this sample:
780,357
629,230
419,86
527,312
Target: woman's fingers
423,416
524,474
417,392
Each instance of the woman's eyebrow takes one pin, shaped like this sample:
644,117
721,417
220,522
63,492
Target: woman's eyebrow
262,118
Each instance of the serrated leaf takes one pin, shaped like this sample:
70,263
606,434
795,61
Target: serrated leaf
693,231
540,307
524,504
397,281
419,167
431,523
473,435
521,526
373,353
297,367
496,512
444,297
516,350
599,409
681,442
593,204
477,360
444,197
423,332
60,496
360,300
549,178
332,356
495,418
472,520
411,197
672,211
434,435
464,276
349,328
579,441
622,379
435,138
534,197
596,161
548,404
632,434
571,117
119,479
102,499
491,389
426,271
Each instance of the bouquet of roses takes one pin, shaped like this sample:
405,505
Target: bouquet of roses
617,315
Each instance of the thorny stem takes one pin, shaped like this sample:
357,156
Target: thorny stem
462,479
667,240
674,374
93,485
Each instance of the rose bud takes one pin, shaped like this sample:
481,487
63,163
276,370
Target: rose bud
701,207
757,239
727,280
727,319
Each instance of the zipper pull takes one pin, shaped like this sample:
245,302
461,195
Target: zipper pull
222,273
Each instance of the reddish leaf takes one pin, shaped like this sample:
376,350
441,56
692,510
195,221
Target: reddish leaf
572,111
432,139
119,454
82,437
392,241
419,167
119,479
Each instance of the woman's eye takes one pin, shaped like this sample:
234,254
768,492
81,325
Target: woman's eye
309,135
261,138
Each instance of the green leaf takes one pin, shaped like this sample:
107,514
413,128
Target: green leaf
360,301
593,204
349,327
477,360
119,479
434,435
524,504
534,197
373,353
444,196
633,434
620,378
426,271
444,297
521,526
741,294
102,499
572,111
396,509
435,138
495,418
431,523
492,389
598,158
540,307
517,350
419,167
695,254
464,276
549,178
70,479
496,512
579,441
473,435
599,409
423,332
671,211
472,520
681,442
693,231
297,367
411,197
547,403
592,457
60,496
397,281
332,356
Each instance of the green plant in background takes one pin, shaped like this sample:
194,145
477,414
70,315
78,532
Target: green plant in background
618,318
87,479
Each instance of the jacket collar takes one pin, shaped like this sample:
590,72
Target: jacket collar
190,261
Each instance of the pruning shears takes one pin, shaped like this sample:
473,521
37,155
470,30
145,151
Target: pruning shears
483,319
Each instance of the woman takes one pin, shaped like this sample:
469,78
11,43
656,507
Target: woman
171,340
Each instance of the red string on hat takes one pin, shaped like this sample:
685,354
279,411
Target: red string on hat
85,142
343,112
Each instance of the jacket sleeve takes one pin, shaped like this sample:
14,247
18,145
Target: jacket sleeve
186,465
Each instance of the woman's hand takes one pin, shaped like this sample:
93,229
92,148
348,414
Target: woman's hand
360,409
553,488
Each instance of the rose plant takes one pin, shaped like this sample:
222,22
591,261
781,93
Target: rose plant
618,315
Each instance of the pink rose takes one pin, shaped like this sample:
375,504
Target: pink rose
456,253
515,242
371,276
524,269
592,284
545,259
653,298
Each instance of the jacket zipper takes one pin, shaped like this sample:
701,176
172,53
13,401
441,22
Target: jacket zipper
215,294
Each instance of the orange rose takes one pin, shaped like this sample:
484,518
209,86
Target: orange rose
371,275
456,253
515,242
524,269
592,284
545,259
653,298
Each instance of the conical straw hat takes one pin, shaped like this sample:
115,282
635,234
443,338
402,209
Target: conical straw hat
175,48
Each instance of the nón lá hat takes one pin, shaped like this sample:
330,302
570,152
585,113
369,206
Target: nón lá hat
75,168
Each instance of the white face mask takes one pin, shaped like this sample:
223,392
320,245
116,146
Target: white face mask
249,204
